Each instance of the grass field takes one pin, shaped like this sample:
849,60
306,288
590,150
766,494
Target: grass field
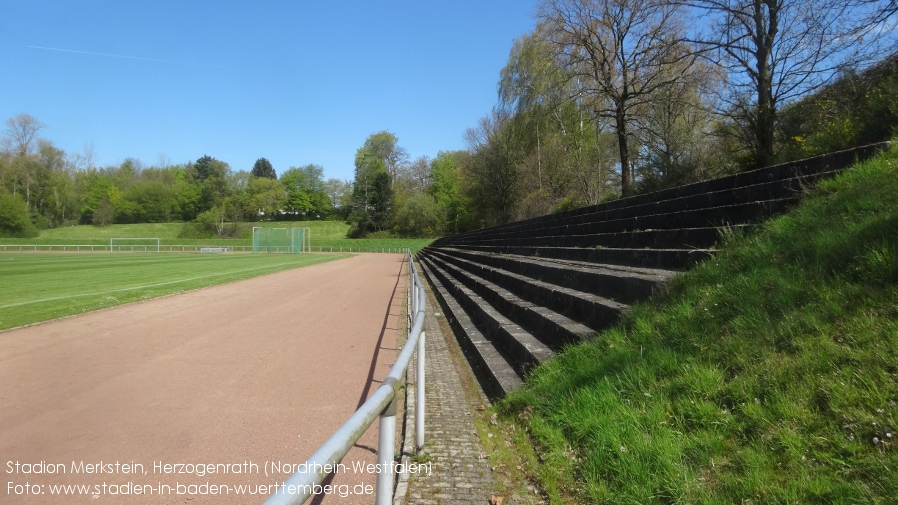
325,235
40,287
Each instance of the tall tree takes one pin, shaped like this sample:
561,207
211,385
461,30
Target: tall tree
621,53
446,188
384,147
263,168
266,196
19,133
775,51
211,176
492,171
380,153
306,193
339,192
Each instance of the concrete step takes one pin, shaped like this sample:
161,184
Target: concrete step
713,217
542,320
705,237
523,350
799,173
788,189
492,369
667,259
622,284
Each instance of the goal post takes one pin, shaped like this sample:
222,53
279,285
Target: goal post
293,240
130,244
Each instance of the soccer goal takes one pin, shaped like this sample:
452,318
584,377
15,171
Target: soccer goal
135,245
282,240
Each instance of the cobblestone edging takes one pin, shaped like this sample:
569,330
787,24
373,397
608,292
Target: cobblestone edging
460,472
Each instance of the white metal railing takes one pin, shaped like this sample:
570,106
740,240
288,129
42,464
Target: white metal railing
382,404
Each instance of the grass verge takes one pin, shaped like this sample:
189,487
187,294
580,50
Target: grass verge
40,287
767,375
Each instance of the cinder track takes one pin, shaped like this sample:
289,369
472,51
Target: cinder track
243,374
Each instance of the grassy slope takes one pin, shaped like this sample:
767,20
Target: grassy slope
323,233
768,375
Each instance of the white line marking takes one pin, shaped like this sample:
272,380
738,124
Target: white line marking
133,288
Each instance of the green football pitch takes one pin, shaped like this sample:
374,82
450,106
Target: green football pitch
40,287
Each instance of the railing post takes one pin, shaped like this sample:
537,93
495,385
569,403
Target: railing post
386,447
419,403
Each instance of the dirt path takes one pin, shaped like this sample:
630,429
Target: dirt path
236,376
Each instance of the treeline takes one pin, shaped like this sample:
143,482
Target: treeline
42,187
608,98
603,99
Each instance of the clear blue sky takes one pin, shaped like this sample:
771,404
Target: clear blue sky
296,82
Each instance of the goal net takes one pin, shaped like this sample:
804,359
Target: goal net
281,240
134,245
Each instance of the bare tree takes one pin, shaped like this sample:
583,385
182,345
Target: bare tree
20,132
419,172
775,51
879,10
621,53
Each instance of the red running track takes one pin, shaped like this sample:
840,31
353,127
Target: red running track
238,376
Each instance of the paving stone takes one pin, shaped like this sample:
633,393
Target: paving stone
459,475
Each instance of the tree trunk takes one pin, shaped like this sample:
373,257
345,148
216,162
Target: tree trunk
766,115
626,169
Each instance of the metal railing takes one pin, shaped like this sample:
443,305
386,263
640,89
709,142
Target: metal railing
382,404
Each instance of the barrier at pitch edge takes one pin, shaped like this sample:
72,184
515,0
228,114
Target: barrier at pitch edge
382,404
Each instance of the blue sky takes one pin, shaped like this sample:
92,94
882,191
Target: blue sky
296,82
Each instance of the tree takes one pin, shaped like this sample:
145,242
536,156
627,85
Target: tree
418,174
381,201
379,156
492,171
446,174
104,214
306,192
382,147
263,168
775,51
676,132
267,196
419,216
340,194
19,133
620,52
15,219
211,176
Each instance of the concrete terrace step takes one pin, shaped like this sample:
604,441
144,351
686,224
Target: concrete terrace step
623,284
703,237
535,308
788,189
728,215
667,259
521,349
804,172
493,370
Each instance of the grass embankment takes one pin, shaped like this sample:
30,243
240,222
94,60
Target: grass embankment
324,234
768,375
40,287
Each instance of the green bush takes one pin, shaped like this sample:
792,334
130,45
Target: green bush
15,220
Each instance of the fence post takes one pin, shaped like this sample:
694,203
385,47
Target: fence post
386,447
419,403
